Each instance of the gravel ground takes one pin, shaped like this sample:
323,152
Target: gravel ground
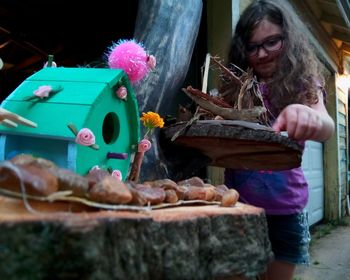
330,254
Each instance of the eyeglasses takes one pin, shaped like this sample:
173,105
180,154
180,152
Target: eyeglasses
270,45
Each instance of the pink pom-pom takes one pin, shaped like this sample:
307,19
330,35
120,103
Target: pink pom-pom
131,57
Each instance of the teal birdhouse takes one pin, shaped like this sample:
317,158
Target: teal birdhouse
85,98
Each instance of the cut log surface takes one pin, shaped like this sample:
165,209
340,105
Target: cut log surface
238,144
71,241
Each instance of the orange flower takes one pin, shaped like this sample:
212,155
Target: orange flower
152,120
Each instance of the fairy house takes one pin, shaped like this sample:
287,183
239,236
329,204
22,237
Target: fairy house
82,98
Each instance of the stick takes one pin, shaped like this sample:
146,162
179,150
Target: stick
4,114
206,73
227,71
136,167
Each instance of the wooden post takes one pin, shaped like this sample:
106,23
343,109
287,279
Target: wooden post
331,159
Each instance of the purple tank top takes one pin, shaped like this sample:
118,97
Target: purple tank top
278,192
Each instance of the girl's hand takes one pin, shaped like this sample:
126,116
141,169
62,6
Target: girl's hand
304,123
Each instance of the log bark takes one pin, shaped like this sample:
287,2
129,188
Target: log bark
238,144
168,29
192,242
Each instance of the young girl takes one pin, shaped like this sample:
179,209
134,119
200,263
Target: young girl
270,40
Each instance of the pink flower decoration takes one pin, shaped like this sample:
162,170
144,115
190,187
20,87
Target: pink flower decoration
43,91
122,93
85,137
117,174
151,62
95,167
131,57
144,146
54,64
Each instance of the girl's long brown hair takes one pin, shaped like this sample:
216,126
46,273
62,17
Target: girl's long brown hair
299,75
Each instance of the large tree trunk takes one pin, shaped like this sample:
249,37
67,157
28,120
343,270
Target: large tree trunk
168,29
192,242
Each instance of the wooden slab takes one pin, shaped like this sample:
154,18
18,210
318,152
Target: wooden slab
238,144
192,242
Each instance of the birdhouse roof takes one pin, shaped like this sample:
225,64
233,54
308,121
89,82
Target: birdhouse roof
86,96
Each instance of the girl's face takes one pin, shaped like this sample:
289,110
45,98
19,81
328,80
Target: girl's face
264,49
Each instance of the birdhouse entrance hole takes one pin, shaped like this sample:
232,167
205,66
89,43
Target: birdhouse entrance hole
111,128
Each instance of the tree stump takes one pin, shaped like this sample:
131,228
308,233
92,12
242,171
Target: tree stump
191,242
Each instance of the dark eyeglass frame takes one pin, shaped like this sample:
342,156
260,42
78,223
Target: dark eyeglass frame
257,47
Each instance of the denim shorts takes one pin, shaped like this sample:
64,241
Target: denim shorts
290,237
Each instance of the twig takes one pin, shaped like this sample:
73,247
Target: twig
206,73
136,167
227,71
195,118
10,118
